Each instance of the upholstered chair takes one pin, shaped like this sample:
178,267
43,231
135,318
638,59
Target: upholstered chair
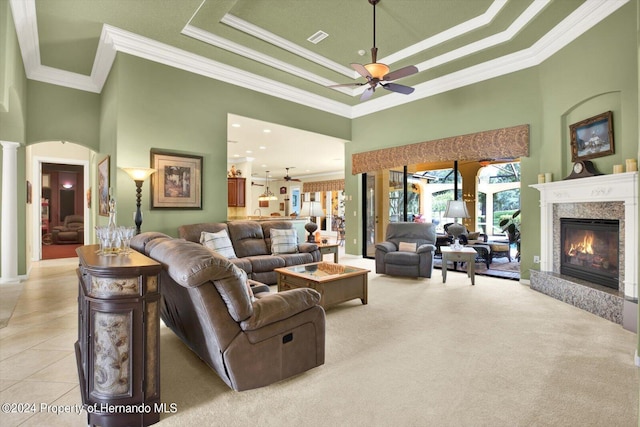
408,250
72,231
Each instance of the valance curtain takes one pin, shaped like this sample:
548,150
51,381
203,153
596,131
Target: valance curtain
331,185
506,143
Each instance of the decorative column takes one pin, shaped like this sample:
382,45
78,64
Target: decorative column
9,229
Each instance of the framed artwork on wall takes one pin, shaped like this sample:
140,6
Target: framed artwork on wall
103,187
592,137
177,184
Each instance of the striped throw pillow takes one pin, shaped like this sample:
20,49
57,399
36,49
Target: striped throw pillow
218,242
284,241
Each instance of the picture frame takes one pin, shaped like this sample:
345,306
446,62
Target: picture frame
103,187
592,137
177,183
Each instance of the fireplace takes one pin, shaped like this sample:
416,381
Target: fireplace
590,250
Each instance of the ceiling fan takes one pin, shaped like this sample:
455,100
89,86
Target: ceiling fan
288,178
378,73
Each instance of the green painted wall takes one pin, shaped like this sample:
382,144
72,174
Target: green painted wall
58,113
565,89
165,108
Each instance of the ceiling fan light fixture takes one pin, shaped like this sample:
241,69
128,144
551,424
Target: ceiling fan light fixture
377,70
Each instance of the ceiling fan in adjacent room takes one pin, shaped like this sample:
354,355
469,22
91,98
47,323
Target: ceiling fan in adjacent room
289,178
378,73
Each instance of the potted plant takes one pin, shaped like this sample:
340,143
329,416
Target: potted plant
511,226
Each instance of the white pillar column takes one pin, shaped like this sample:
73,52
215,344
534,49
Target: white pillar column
9,243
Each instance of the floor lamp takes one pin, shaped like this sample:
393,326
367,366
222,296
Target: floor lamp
310,209
138,175
456,209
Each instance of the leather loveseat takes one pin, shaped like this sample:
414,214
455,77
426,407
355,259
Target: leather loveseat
248,342
251,242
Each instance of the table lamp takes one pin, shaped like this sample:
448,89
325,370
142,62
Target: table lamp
456,209
311,209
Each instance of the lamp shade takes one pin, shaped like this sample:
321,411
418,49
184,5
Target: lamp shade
139,174
311,209
456,209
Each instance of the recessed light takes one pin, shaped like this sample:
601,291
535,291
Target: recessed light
262,147
264,166
236,155
235,125
248,151
267,131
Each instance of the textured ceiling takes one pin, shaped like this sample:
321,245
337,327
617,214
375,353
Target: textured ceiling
261,44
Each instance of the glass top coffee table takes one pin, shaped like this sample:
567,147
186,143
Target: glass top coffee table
336,283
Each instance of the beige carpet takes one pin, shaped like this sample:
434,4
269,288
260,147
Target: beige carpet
426,354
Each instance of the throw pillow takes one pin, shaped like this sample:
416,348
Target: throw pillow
407,247
218,242
473,236
284,241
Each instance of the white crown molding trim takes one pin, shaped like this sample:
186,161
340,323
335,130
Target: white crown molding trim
269,37
146,48
214,40
581,20
480,45
453,32
113,39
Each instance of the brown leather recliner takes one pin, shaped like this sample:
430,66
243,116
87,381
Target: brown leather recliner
206,303
72,231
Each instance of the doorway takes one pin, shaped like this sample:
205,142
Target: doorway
59,188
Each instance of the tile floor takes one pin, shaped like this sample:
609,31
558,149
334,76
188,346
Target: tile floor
37,357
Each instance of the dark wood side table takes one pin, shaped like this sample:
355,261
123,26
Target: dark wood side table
117,352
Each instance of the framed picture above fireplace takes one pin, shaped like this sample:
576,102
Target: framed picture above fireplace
592,137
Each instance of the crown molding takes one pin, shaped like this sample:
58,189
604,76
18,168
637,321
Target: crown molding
136,45
269,37
113,40
214,40
451,33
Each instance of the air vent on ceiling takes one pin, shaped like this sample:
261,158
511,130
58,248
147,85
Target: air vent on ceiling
318,37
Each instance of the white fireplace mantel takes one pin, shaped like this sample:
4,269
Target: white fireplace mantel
622,187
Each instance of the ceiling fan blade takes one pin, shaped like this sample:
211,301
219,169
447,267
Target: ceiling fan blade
348,85
402,72
367,94
362,71
394,87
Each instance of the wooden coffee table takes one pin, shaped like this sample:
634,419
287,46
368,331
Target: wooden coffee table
464,254
336,283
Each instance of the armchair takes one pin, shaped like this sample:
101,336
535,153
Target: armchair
413,262
72,231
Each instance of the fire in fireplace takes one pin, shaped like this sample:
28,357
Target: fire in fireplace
590,250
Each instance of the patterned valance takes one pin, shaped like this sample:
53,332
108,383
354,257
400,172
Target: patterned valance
506,143
332,185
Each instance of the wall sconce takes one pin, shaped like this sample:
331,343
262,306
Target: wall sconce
310,209
138,175
67,186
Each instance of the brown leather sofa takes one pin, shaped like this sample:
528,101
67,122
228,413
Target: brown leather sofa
251,242
249,344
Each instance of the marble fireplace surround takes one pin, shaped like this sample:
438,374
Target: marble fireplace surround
612,196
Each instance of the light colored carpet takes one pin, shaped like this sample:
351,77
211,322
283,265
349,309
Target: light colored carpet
426,354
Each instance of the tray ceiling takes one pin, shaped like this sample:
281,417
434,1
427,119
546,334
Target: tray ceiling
262,45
